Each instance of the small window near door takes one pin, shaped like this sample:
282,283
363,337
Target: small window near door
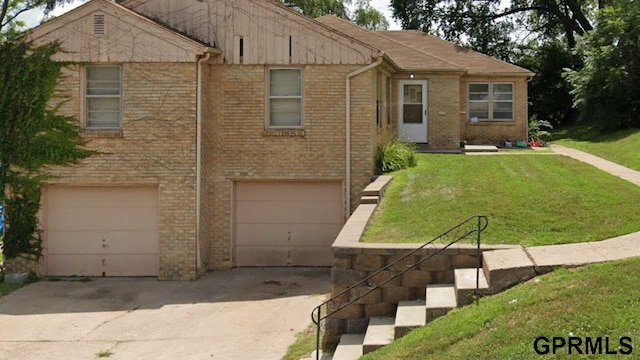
490,102
103,90
285,98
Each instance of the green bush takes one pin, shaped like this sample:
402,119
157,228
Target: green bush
395,155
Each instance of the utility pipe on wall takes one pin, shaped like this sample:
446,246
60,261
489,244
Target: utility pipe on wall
199,101
348,127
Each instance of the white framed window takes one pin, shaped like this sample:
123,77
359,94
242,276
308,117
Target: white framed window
103,97
285,98
490,102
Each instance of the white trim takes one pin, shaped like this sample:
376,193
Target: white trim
490,100
425,111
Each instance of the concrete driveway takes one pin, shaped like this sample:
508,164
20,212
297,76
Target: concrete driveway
249,313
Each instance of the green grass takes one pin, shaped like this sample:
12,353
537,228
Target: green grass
304,345
620,147
597,300
529,200
5,289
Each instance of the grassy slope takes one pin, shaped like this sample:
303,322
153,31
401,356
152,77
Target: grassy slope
598,300
620,146
529,200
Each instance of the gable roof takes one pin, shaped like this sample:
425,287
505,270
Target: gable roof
414,50
75,32
268,29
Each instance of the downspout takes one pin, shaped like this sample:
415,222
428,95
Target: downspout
348,127
199,102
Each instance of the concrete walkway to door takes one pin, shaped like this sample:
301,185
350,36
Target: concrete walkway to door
247,313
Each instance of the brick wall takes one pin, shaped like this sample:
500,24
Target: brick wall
495,132
157,147
237,146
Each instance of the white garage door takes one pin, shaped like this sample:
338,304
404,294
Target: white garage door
101,231
286,223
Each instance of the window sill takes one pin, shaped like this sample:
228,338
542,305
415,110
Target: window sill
96,133
285,132
491,122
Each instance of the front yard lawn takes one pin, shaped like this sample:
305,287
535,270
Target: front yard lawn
529,200
620,147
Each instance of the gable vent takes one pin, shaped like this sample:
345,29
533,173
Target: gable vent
98,24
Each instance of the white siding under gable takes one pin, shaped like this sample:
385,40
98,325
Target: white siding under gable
270,33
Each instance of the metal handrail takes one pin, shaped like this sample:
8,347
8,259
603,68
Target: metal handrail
459,232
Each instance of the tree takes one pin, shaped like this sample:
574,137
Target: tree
368,17
364,15
457,19
607,88
317,8
32,135
10,10
549,91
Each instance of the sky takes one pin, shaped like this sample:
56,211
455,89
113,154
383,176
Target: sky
32,18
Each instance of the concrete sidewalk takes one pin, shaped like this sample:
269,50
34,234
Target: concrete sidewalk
602,164
507,267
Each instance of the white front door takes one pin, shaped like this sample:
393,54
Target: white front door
412,113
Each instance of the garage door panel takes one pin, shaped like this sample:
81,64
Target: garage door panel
77,219
260,234
262,212
106,218
93,265
262,255
289,191
91,196
82,265
313,234
286,223
90,242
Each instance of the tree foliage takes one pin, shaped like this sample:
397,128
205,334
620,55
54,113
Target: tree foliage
549,91
32,135
607,88
457,20
364,15
10,10
368,17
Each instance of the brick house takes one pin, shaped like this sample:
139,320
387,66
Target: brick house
241,133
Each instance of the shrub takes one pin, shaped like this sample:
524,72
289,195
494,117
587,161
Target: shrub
395,155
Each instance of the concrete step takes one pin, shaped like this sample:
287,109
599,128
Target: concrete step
505,268
378,186
440,299
410,315
350,347
369,199
380,332
465,284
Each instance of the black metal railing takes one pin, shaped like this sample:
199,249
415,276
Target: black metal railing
465,230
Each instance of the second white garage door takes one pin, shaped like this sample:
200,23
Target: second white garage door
101,231
286,223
